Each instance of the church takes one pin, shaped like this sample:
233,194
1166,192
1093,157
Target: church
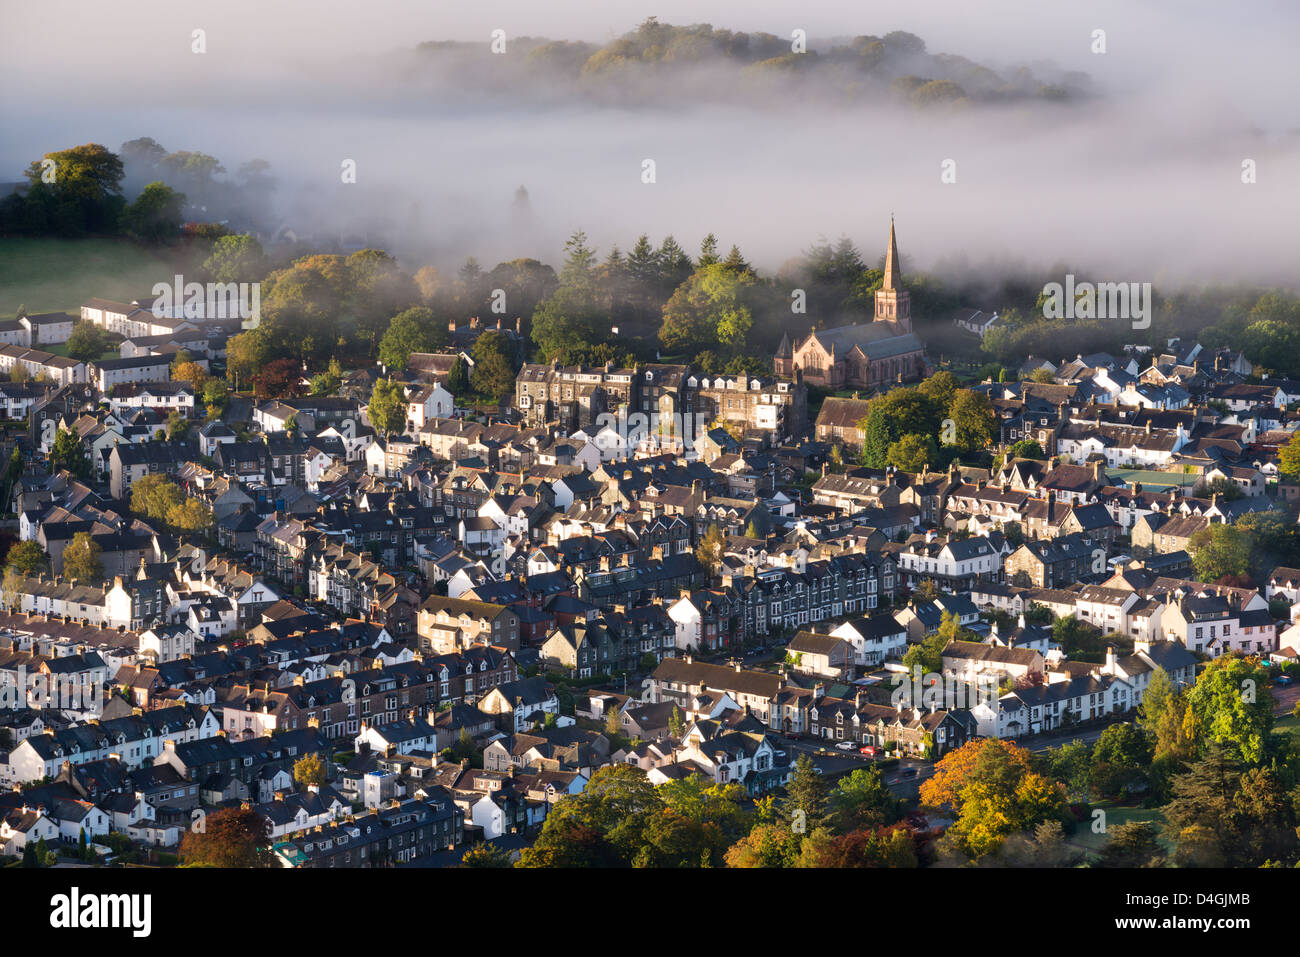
862,355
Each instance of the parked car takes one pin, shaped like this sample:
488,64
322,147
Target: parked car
844,746
870,750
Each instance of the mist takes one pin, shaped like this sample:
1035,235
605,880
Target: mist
1139,180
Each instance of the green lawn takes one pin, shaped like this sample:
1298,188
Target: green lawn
58,275
1288,725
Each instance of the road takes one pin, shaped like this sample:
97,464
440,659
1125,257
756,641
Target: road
833,762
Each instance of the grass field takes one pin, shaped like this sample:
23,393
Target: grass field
1288,725
58,275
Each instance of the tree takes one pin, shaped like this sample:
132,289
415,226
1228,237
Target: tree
912,453
1224,488
613,724
676,723
155,495
278,379
1071,764
861,799
236,259
1233,706
714,307
216,396
86,194
27,557
12,589
806,796
973,418
709,551
86,342
1134,844
192,516
767,845
1288,459
309,770
1120,758
897,413
178,427
187,370
328,382
494,367
412,330
387,409
928,655
602,826
458,377
81,561
996,792
485,854
246,355
1219,550
1026,449
231,837
68,453
156,214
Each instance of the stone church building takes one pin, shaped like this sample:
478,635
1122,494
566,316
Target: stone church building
869,355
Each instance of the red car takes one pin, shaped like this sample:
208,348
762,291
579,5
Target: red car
869,750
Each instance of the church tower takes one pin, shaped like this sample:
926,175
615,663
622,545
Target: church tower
893,302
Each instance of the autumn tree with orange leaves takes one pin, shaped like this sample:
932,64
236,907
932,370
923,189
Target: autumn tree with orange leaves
996,792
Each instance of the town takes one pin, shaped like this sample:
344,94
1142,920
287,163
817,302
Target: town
363,616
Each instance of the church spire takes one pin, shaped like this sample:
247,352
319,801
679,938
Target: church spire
893,273
893,302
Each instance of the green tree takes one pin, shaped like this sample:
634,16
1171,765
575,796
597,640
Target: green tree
236,259
1135,844
155,215
458,378
387,407
28,557
1288,459
81,561
154,496
1026,449
485,854
494,368
412,330
897,413
192,515
86,342
973,418
1233,706
912,453
676,723
806,797
68,453
613,724
1219,550
862,800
